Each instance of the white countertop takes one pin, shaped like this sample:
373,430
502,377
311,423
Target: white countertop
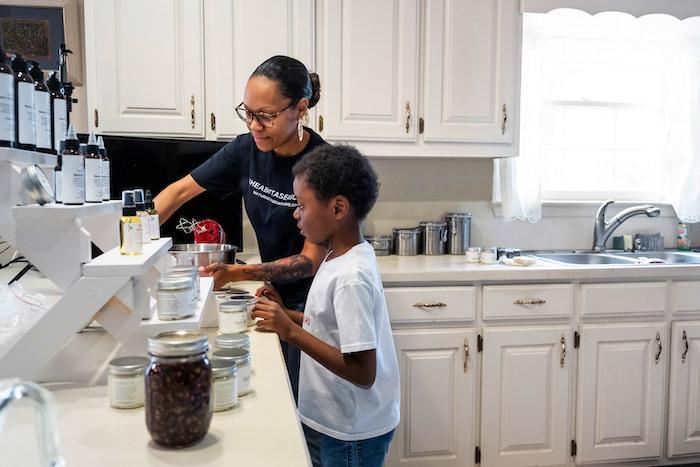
263,430
447,269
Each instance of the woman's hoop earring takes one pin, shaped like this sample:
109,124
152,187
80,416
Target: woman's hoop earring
300,130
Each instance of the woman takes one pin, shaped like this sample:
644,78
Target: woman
259,165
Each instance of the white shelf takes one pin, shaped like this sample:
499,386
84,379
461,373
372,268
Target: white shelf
27,157
112,263
154,326
53,211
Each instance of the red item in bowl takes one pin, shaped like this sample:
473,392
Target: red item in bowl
209,231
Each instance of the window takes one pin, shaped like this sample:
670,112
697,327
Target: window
609,103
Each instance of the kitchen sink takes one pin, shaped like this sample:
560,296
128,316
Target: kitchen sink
585,258
619,257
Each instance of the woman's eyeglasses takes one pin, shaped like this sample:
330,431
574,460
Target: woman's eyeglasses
265,119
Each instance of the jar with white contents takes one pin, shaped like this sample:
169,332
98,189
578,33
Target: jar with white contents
175,298
225,384
233,317
242,358
125,382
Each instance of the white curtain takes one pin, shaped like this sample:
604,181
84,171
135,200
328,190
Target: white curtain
517,180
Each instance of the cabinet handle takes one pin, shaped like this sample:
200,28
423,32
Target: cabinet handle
525,301
408,116
658,348
685,347
505,119
466,354
97,118
192,110
429,305
212,121
563,352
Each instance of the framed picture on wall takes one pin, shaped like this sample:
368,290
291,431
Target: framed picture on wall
37,28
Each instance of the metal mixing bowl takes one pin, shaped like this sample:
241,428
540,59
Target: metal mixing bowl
203,254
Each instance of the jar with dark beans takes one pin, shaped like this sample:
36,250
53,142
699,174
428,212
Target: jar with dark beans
178,388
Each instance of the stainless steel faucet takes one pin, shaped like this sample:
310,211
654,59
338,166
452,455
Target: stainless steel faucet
12,390
604,228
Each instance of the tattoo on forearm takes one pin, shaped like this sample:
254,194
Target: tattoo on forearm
290,268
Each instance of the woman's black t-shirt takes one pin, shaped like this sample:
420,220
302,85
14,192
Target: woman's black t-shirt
265,182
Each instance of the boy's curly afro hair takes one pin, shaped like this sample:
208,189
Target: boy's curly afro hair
332,170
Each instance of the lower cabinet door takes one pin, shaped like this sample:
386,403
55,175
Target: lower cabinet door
622,370
438,369
684,393
525,402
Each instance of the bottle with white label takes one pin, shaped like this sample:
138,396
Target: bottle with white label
59,113
72,170
153,215
139,200
130,228
24,105
42,110
7,102
58,177
106,171
93,171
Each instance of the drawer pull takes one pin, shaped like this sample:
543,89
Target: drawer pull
429,305
530,301
685,347
563,352
466,354
658,348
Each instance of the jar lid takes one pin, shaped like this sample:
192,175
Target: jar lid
240,356
233,305
180,343
182,268
36,183
175,282
246,297
459,215
232,341
128,365
223,368
405,229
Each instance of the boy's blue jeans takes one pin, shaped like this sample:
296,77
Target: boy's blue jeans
330,452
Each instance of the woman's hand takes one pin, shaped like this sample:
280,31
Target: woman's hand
274,318
222,273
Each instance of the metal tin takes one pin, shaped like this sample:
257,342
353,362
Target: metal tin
433,237
458,232
242,359
37,185
406,241
382,244
182,343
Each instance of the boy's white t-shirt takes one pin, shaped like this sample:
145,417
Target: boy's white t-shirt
346,309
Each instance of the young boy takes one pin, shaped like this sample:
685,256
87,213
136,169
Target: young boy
349,390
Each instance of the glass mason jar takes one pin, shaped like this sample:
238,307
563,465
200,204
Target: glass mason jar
233,316
178,388
232,341
242,359
125,382
175,298
225,385
191,271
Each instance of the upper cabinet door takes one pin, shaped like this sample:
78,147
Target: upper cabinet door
240,35
470,70
370,68
145,68
622,371
684,403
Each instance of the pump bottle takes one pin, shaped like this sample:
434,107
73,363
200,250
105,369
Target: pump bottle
93,171
153,216
24,105
42,110
72,170
59,113
130,227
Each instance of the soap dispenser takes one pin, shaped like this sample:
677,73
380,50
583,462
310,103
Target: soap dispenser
42,110
7,102
24,105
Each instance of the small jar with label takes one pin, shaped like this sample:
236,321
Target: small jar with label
125,382
178,388
251,303
489,256
232,341
175,298
224,384
233,316
242,358
190,271
473,254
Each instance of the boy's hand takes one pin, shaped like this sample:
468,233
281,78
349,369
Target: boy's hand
268,291
274,318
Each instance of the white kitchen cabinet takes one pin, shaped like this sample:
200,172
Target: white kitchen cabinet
684,391
526,394
239,36
438,383
369,55
470,70
621,380
145,67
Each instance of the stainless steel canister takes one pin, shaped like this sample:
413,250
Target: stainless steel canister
382,244
406,241
433,237
458,232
